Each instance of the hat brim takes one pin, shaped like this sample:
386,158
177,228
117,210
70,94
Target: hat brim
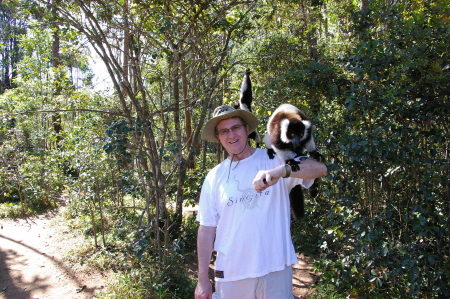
208,133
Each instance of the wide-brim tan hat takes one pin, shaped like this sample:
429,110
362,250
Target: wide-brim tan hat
225,112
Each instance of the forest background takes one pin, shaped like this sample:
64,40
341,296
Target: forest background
372,75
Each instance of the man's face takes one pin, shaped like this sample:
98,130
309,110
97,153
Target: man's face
232,134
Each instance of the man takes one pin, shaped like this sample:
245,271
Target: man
244,214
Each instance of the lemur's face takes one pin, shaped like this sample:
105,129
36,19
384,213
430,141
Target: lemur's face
295,132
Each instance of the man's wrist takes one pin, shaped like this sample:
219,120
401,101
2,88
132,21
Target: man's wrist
288,170
203,279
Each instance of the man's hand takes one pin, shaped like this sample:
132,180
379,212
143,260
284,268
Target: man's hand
203,290
266,178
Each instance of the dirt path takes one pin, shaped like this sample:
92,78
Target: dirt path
303,279
32,263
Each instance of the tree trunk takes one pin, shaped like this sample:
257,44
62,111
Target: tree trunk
126,46
181,161
56,118
187,113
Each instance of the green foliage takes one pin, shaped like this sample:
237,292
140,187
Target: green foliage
11,27
29,183
326,291
164,279
30,179
151,284
143,273
306,234
387,230
117,140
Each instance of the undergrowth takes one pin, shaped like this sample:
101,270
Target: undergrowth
144,268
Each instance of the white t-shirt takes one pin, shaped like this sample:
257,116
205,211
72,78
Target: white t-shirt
253,236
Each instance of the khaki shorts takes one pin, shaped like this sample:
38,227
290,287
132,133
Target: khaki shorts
275,285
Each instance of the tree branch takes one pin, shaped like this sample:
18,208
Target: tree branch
66,110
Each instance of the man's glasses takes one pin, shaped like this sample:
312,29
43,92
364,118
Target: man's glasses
226,132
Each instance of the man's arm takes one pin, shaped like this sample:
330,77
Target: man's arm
309,169
205,244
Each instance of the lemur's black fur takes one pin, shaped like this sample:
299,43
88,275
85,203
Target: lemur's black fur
245,102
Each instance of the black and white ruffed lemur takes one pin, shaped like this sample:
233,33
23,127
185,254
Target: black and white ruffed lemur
289,133
245,102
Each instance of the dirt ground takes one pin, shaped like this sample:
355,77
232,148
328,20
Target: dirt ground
303,280
32,264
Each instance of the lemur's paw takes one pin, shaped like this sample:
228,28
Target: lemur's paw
294,164
271,153
317,156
